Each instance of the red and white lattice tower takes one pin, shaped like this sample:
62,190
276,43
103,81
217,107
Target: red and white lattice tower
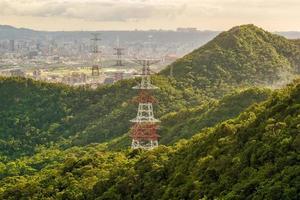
144,130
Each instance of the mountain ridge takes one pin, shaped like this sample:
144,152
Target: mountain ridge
85,116
245,54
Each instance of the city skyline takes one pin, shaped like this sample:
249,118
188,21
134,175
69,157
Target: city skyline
70,15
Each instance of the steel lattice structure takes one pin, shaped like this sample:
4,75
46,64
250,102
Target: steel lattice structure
144,130
95,52
119,53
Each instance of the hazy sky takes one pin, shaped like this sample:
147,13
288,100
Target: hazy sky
149,14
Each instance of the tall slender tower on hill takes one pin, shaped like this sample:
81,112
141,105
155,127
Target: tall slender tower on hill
95,53
119,52
144,130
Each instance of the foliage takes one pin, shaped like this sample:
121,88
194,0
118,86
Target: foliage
59,142
244,55
34,113
254,156
187,122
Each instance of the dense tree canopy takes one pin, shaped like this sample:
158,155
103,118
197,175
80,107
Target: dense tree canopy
35,113
223,135
243,55
253,156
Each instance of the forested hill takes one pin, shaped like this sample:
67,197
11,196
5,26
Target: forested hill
253,156
34,114
238,141
243,55
187,122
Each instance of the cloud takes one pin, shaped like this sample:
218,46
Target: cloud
210,14
97,10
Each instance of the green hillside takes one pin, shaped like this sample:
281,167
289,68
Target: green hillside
253,156
244,55
37,114
34,114
185,123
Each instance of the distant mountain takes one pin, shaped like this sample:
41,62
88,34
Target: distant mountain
199,37
165,38
12,28
290,34
10,32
